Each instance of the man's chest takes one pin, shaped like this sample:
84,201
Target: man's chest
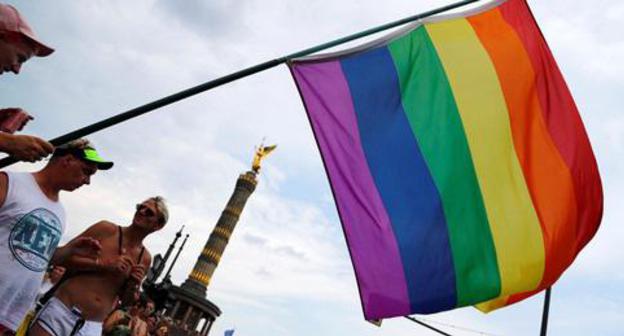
113,246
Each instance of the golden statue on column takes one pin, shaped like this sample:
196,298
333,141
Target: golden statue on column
261,152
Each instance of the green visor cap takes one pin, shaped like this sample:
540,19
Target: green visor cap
92,155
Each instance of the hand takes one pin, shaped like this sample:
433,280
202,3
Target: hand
137,273
56,274
13,119
121,265
25,147
85,247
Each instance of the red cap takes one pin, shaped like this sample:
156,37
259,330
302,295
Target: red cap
12,21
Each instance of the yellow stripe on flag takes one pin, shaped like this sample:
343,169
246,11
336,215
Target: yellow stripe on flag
482,108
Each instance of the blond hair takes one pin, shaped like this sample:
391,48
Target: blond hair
161,207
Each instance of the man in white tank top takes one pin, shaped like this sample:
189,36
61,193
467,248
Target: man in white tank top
32,221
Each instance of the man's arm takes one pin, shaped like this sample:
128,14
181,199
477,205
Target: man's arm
22,147
25,147
82,252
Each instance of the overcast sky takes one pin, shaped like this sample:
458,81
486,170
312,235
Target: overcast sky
287,270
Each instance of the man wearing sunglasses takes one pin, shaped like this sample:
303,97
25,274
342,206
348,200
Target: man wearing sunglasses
18,43
32,222
85,299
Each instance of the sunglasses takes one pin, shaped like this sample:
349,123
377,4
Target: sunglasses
145,210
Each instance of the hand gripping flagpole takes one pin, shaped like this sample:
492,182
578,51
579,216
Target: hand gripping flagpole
119,118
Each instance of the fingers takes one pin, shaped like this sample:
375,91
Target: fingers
35,148
93,243
125,264
126,260
58,271
138,269
13,119
86,247
138,273
29,148
137,276
41,148
24,121
123,268
45,146
87,241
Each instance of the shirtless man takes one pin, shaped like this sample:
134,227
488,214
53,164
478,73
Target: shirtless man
84,300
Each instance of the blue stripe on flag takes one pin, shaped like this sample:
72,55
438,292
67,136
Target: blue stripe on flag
403,180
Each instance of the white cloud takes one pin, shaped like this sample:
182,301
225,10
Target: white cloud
286,270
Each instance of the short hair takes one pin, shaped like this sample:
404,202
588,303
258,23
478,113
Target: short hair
81,143
72,147
161,206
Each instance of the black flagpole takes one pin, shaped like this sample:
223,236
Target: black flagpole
545,312
427,326
119,118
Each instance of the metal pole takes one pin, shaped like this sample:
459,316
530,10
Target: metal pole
172,245
176,257
545,312
119,118
167,254
427,326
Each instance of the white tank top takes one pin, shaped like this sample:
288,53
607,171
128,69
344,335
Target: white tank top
31,226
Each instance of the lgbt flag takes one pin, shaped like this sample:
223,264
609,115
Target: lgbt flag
459,164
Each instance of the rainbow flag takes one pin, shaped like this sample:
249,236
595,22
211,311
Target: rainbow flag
458,161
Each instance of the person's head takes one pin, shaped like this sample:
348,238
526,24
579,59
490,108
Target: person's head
73,164
139,305
152,214
148,310
18,41
151,323
162,329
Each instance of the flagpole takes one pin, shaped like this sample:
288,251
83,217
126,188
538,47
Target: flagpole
427,326
124,116
545,312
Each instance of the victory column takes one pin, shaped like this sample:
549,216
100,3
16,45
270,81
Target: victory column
187,305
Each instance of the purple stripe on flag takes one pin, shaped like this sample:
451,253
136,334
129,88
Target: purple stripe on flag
372,243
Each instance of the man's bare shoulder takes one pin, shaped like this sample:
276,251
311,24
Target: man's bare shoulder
102,228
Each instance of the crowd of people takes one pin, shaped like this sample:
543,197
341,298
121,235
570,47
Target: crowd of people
138,318
91,285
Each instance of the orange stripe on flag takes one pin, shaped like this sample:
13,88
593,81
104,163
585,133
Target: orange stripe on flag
546,173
